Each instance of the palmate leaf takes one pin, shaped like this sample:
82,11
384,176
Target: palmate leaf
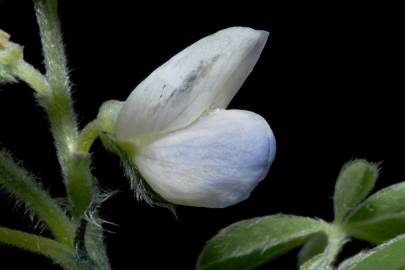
250,243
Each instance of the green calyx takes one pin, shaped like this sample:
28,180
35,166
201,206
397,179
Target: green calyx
107,121
108,114
126,150
107,124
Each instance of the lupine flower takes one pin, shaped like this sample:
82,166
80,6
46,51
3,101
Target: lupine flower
185,144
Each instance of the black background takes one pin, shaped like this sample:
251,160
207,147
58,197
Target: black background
329,82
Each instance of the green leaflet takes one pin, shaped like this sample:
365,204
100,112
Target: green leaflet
354,183
387,256
380,217
250,243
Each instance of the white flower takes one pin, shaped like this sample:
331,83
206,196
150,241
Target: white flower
187,147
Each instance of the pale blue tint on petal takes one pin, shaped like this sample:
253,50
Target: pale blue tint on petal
215,162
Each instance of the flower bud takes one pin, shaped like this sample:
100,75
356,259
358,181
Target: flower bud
10,54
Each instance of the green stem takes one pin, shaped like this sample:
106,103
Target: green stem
21,184
96,247
32,77
59,253
72,149
324,261
58,103
81,184
52,45
336,239
11,58
87,136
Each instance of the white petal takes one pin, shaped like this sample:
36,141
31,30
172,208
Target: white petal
203,76
215,162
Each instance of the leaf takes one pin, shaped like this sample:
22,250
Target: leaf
354,183
387,256
250,243
312,247
380,217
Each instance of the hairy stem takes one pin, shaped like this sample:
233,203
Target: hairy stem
80,185
58,103
58,252
72,149
17,181
96,247
337,238
32,77
324,261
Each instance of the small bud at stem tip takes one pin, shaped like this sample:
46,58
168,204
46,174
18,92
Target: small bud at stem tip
4,38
